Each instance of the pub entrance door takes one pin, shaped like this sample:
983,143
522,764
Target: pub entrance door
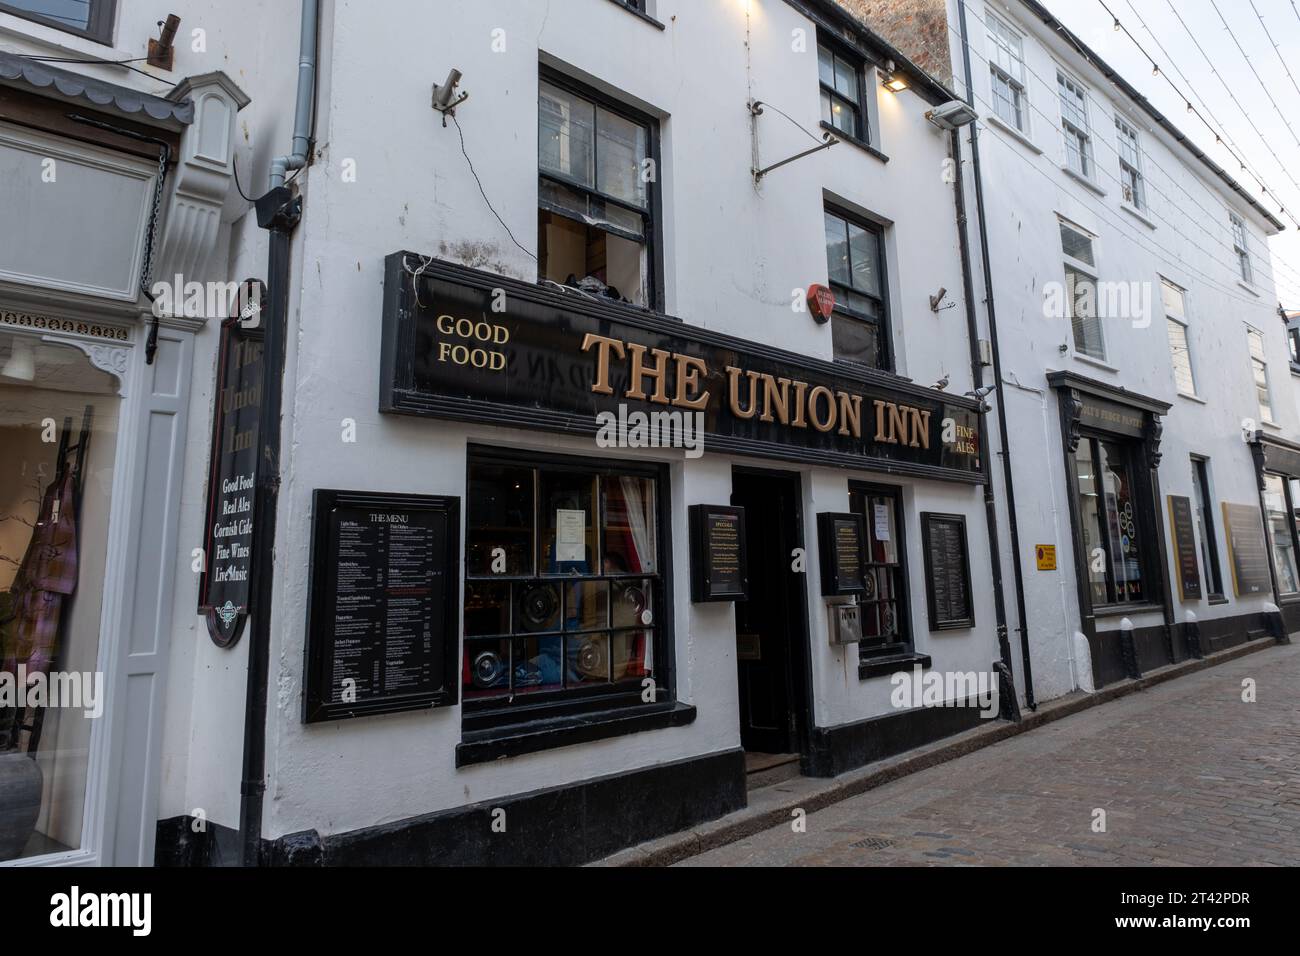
772,626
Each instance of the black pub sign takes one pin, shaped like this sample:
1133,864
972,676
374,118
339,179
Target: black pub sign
842,538
464,345
719,570
232,475
383,609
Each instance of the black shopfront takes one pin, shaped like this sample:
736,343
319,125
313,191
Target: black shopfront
1277,466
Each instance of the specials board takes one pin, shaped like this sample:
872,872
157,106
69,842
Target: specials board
1247,549
947,572
232,479
842,551
719,571
383,614
1182,527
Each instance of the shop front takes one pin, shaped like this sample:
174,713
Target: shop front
1277,464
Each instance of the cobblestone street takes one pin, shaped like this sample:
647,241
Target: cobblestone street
1186,772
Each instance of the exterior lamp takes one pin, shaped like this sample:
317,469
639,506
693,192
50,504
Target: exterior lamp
890,80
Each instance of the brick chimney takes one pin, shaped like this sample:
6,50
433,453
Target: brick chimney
918,28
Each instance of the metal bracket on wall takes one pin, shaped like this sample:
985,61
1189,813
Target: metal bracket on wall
756,110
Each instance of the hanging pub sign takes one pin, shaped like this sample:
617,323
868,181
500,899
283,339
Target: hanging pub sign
1184,538
232,471
719,571
841,539
383,618
465,345
1247,549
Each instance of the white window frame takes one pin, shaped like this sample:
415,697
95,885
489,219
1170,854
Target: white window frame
1005,41
1258,364
1088,269
1179,318
1132,182
1077,130
1241,247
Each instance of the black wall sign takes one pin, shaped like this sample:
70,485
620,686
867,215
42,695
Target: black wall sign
232,480
484,348
841,542
1112,417
947,572
1184,539
719,571
383,619
1247,549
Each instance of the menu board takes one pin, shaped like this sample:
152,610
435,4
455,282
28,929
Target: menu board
718,567
1247,550
1184,539
842,550
232,484
947,572
382,629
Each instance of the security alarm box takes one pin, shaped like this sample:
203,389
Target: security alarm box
846,622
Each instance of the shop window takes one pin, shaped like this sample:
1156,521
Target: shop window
841,76
58,423
564,592
1113,520
597,177
88,18
1279,520
1204,504
885,624
856,262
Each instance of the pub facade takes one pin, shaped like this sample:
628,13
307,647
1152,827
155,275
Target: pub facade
634,436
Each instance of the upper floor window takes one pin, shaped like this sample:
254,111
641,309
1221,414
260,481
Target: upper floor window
1130,165
88,18
856,263
1239,246
1081,292
1293,341
843,99
1259,371
1074,124
1180,353
1007,69
597,181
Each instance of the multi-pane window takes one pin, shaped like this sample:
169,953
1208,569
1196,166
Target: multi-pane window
563,588
1279,498
597,176
88,18
1081,292
883,605
1130,165
841,80
1111,518
1293,341
1240,248
855,260
1074,124
1204,505
1259,372
1007,74
1180,354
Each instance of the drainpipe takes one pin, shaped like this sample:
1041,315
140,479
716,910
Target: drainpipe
997,370
1010,708
279,211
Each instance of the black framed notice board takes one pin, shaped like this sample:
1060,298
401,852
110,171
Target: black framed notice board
1184,540
947,572
383,613
842,551
719,571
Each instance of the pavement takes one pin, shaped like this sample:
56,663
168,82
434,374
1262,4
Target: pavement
1185,772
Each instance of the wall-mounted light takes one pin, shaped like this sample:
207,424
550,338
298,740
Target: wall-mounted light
890,80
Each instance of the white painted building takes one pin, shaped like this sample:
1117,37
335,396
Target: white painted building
1159,385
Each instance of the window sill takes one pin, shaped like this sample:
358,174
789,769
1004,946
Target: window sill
853,140
1193,398
639,14
1137,214
1248,287
1214,600
1295,369
1014,133
1094,362
1082,179
1271,425
1124,610
483,746
891,664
